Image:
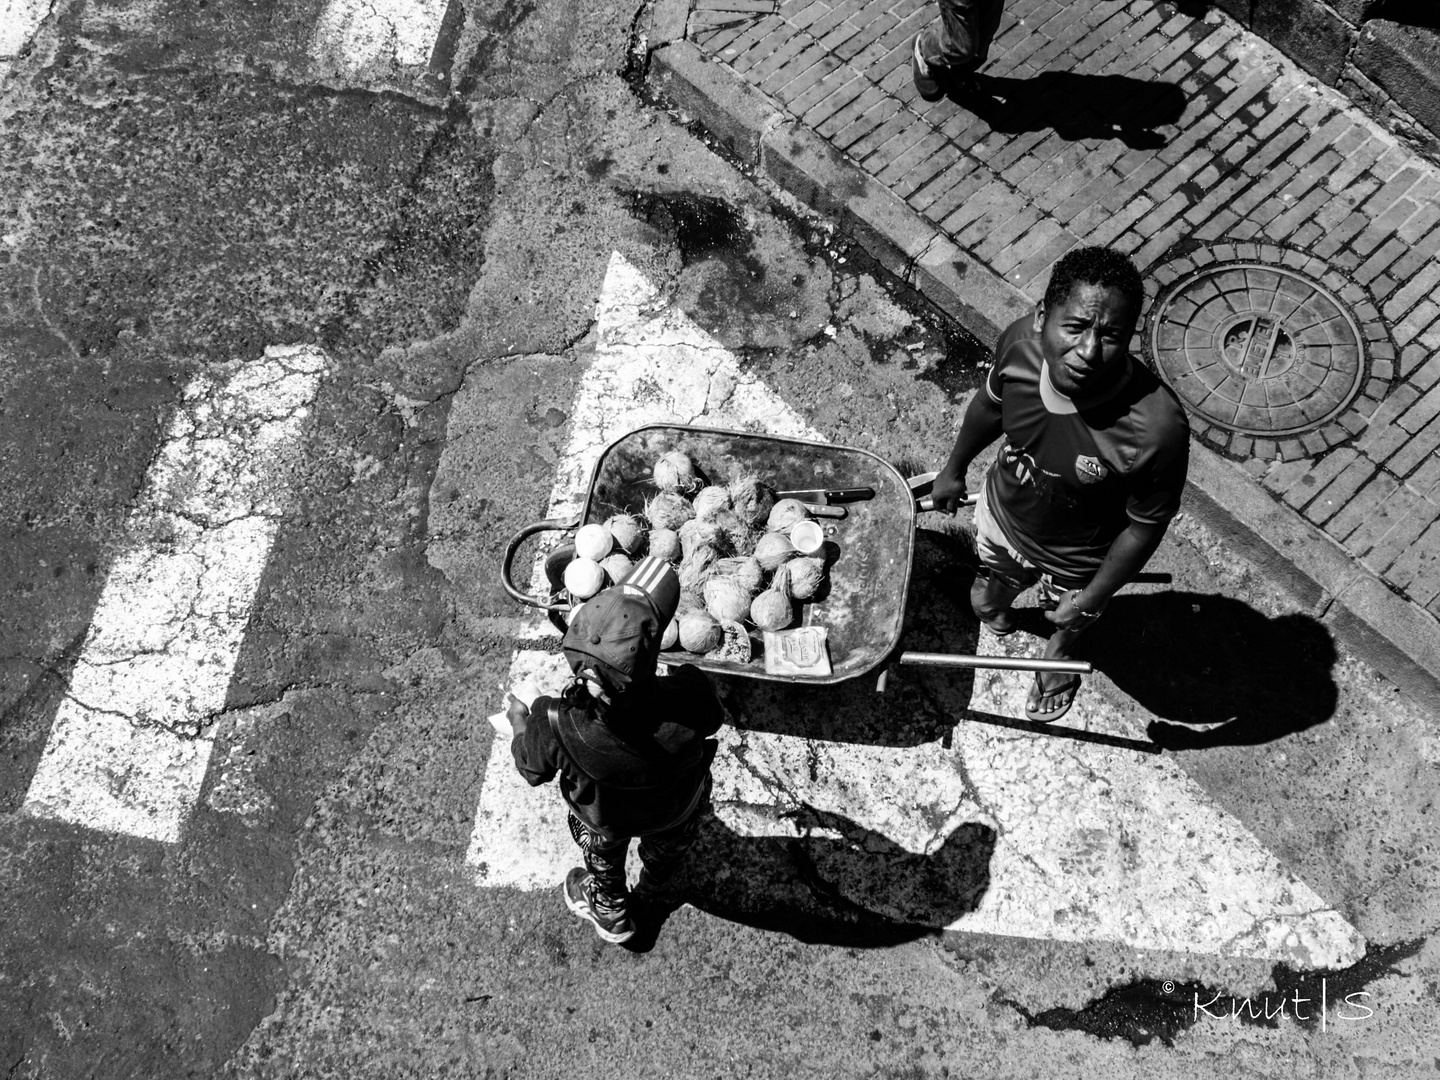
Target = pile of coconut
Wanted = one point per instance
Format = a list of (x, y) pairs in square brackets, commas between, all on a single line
[(730, 546)]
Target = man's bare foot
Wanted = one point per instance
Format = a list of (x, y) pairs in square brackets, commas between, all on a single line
[(1050, 701)]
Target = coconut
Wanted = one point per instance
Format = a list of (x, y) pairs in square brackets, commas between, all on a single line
[(699, 632), (743, 570), (593, 542), (785, 513), (668, 511), (584, 578), (695, 566), (627, 531), (696, 533), (670, 634), (616, 567), (736, 646), (710, 501), (735, 534), (691, 599), (665, 544), (773, 549), (752, 500), (771, 610), (675, 472), (726, 599), (804, 576)]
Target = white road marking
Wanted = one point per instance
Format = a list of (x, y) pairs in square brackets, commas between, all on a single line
[(129, 748), (352, 35), (1093, 843), (19, 20)]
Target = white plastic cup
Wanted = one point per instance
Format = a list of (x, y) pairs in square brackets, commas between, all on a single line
[(807, 537)]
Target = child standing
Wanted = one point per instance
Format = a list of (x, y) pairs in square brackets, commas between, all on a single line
[(632, 749)]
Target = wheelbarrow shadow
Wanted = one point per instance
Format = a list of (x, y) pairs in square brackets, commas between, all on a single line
[(1202, 658), (832, 882), (917, 709)]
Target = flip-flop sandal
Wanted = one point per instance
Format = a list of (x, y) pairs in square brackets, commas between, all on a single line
[(1044, 717)]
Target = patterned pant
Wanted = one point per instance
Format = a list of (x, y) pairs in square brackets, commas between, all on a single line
[(660, 856)]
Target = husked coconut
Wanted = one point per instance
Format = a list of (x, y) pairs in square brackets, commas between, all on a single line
[(786, 513), (593, 542), (584, 578), (665, 544), (710, 501), (675, 472), (627, 531), (727, 600), (699, 631), (616, 567), (668, 511), (752, 500), (804, 576), (773, 549), (771, 610)]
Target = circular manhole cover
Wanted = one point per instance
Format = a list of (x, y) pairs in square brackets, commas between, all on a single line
[(1258, 349)]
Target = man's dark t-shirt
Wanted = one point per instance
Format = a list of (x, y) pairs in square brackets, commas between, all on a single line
[(1066, 482), (641, 768)]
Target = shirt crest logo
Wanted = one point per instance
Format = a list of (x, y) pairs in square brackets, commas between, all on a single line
[(1089, 469)]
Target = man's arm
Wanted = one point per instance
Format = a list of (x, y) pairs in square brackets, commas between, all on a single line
[(982, 425), (1127, 556)]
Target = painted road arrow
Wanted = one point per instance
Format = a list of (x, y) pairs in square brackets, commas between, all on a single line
[(1092, 842)]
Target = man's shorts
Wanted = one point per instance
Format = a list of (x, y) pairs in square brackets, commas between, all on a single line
[(1002, 560)]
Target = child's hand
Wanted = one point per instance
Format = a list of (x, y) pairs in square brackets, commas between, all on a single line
[(517, 714)]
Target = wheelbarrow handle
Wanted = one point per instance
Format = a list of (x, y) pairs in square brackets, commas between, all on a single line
[(548, 525), (1005, 663), (928, 502)]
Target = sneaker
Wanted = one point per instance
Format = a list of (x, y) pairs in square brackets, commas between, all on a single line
[(925, 81), (579, 896)]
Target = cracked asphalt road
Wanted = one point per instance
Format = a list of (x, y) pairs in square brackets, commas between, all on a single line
[(179, 191)]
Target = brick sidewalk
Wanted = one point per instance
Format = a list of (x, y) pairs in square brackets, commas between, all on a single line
[(1185, 142)]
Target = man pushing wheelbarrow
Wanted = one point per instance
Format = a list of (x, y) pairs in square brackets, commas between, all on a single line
[(1091, 465)]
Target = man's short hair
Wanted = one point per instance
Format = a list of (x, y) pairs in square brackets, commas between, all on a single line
[(1101, 266)]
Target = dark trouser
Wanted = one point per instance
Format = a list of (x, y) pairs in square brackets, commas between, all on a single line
[(961, 43), (660, 855)]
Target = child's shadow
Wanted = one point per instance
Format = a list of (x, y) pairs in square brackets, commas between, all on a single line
[(832, 882)]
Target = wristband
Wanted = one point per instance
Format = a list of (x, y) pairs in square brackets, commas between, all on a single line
[(1081, 611)]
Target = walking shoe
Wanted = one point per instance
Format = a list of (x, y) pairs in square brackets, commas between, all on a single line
[(925, 81), (579, 898)]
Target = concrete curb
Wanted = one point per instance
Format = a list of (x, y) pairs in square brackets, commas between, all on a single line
[(1393, 635)]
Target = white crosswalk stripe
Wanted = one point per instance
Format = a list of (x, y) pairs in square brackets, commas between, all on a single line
[(128, 749), (1093, 842)]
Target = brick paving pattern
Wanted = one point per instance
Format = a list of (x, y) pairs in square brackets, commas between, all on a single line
[(1132, 124)]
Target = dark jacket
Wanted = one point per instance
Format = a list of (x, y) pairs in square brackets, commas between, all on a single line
[(636, 766)]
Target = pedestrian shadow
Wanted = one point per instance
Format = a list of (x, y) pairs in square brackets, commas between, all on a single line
[(832, 882), (1202, 658), (1077, 106)]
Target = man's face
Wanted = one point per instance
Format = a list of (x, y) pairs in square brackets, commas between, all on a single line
[(1085, 339)]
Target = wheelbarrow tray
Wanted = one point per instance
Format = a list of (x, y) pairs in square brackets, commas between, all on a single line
[(868, 552)]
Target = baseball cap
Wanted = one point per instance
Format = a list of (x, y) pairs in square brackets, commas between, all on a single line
[(618, 631)]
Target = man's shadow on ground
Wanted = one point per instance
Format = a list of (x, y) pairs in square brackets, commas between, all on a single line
[(1202, 658), (832, 881), (1077, 106)]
